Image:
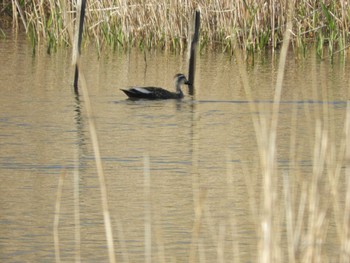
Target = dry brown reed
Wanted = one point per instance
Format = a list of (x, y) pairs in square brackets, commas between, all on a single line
[(306, 227), (148, 217), (99, 167), (96, 149), (252, 25), (345, 227), (57, 218)]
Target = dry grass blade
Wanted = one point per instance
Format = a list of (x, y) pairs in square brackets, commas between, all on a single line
[(199, 206), (316, 224), (268, 164), (57, 217), (147, 194), (98, 161), (96, 149), (289, 218), (21, 14), (235, 243), (266, 141), (346, 221), (221, 243), (121, 238)]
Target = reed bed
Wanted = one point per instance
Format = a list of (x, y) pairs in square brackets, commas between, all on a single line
[(257, 25)]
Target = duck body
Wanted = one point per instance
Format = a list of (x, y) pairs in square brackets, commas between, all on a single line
[(151, 93), (156, 93)]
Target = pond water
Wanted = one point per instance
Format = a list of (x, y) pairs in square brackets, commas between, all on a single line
[(203, 145)]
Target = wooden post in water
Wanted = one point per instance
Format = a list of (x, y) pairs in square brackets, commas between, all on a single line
[(81, 4), (194, 37)]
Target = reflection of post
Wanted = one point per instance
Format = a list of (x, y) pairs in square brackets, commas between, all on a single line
[(77, 40), (192, 56), (77, 155)]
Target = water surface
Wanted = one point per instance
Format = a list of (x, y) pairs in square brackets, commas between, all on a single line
[(199, 145)]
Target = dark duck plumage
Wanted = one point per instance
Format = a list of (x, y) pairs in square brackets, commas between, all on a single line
[(155, 93)]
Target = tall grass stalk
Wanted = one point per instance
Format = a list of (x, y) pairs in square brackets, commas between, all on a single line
[(256, 25), (233, 225), (307, 212), (345, 241), (17, 6), (270, 154), (199, 207), (148, 219), (57, 218), (98, 161), (99, 166), (121, 238)]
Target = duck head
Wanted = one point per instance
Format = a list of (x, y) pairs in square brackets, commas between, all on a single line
[(180, 79)]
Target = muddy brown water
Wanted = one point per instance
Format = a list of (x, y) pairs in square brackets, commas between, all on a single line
[(196, 145)]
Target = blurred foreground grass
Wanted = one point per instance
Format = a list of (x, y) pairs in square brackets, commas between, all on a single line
[(292, 224)]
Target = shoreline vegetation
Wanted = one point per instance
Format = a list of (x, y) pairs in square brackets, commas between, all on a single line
[(149, 24)]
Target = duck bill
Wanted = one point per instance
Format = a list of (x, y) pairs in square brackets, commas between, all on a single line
[(188, 83)]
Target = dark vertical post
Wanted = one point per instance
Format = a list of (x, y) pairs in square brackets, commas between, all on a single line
[(192, 59), (78, 49)]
